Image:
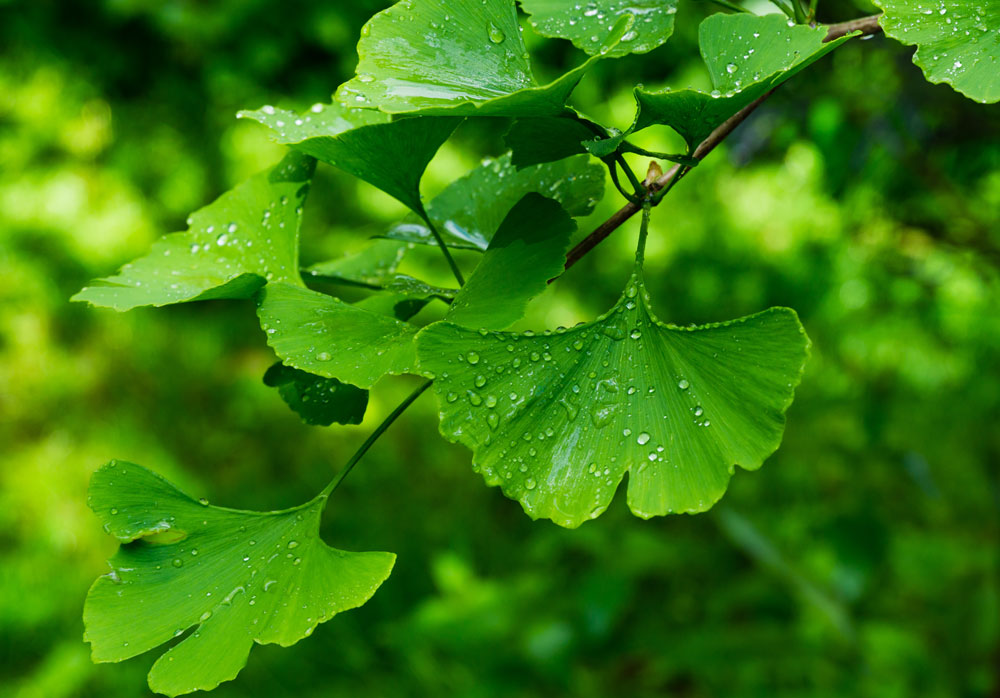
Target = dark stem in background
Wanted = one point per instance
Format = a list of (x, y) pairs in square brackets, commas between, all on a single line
[(866, 25)]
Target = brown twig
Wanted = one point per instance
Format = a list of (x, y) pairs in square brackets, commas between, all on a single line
[(866, 25)]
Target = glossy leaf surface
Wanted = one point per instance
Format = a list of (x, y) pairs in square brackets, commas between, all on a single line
[(246, 237), (235, 577), (589, 24), (462, 57), (319, 401), (469, 211), (557, 420), (372, 266), (527, 251), (957, 42), (391, 155), (746, 56), (323, 335)]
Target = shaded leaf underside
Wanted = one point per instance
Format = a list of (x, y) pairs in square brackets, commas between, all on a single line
[(319, 401)]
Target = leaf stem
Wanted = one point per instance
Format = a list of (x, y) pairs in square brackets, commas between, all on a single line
[(370, 441), (866, 25), (731, 6), (640, 250), (444, 248)]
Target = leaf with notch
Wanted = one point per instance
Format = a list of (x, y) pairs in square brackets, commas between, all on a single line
[(557, 420), (957, 42), (236, 577), (464, 57), (246, 237), (746, 56), (319, 401), (324, 336), (586, 26), (527, 251), (389, 154), (469, 211)]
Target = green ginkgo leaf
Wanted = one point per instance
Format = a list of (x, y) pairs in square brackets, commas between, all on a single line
[(327, 337), (746, 56), (957, 42), (389, 154), (317, 400), (545, 139), (246, 237), (527, 251), (588, 24), (464, 57), (469, 211), (235, 577), (557, 420), (372, 266)]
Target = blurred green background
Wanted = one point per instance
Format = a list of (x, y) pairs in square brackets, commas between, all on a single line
[(862, 560)]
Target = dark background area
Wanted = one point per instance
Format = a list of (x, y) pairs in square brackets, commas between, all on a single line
[(861, 560)]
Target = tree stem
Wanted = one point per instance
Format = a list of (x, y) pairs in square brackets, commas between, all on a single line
[(866, 25)]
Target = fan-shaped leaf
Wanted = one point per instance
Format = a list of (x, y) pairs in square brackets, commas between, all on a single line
[(588, 25), (545, 139), (327, 337), (527, 251), (318, 400), (234, 245), (957, 42), (461, 58), (391, 155), (373, 266), (557, 420), (746, 56), (236, 577), (469, 211)]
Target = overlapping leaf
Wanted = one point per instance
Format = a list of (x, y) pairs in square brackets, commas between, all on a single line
[(469, 211), (958, 42), (589, 24), (373, 266), (545, 139), (389, 154), (246, 237), (527, 251), (462, 57), (319, 401), (557, 420), (746, 56), (327, 337), (236, 577)]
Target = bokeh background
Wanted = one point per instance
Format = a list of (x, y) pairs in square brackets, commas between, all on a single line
[(862, 560)]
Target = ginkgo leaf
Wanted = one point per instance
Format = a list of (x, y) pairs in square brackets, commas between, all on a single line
[(319, 401), (588, 25), (323, 335), (746, 56), (957, 42), (389, 154), (246, 237), (545, 139), (235, 577), (557, 420), (372, 266), (527, 251), (464, 57), (469, 211)]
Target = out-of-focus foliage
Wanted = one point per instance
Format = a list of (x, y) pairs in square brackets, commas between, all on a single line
[(861, 562)]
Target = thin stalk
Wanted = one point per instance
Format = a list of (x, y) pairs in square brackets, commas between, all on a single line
[(789, 12), (370, 441), (636, 184), (685, 160), (444, 249), (640, 250), (613, 171)]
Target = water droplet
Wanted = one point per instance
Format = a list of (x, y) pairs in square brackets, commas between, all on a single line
[(643, 438), (496, 34), (529, 484), (452, 397), (731, 68), (293, 544), (683, 384), (178, 562), (323, 356), (114, 511), (269, 583), (472, 357), (202, 501)]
